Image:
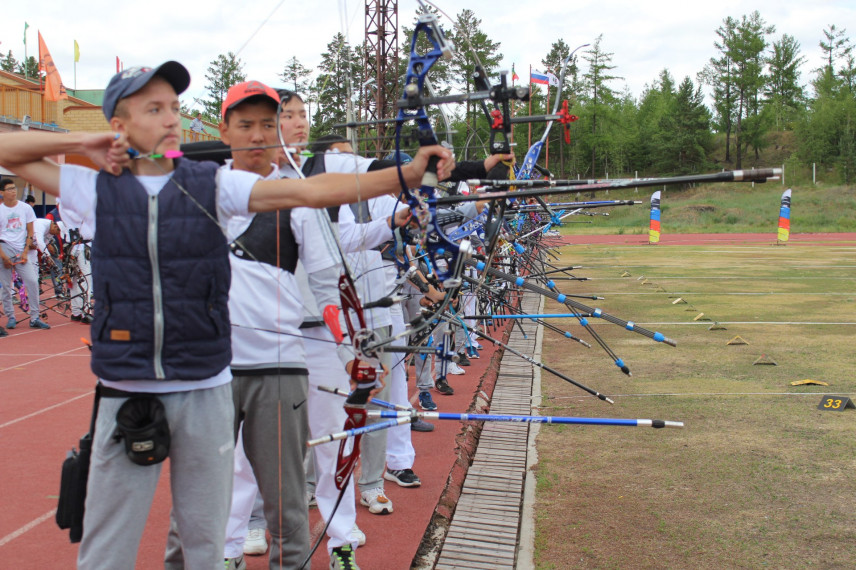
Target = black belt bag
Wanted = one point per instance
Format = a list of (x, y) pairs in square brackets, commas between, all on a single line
[(141, 422)]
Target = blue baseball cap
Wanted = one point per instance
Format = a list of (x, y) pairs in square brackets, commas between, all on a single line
[(405, 158), (129, 81)]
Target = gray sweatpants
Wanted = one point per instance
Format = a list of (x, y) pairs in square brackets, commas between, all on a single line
[(373, 444), (276, 428), (120, 492), (29, 273), (424, 379)]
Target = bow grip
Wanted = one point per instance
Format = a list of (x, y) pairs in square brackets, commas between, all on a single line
[(429, 178)]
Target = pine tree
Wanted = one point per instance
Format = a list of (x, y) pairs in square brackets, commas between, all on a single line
[(223, 72), (29, 68), (9, 63), (600, 99), (718, 73), (472, 47), (746, 48), (296, 77), (837, 45), (783, 91), (334, 85)]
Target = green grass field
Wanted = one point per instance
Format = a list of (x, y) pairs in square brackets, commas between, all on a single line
[(759, 477), (722, 208)]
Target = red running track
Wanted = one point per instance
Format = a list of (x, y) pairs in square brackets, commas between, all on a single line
[(47, 397), (705, 239)]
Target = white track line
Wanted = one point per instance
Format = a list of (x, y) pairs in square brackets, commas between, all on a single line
[(43, 410), (27, 527), (702, 394), (708, 294), (708, 323), (40, 359)]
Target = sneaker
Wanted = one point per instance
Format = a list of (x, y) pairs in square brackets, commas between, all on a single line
[(76, 318), (472, 352), (454, 369), (235, 563), (477, 346), (39, 324), (403, 477), (426, 402), (421, 425), (377, 502), (463, 360), (359, 535), (310, 500), (10, 324), (3, 332), (256, 543), (443, 387), (342, 558), (86, 319)]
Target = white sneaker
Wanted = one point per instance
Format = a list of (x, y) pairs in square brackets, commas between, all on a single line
[(359, 535), (256, 543), (454, 369), (377, 501)]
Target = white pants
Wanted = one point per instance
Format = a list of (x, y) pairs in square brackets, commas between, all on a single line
[(326, 416), (80, 296), (399, 449), (244, 491)]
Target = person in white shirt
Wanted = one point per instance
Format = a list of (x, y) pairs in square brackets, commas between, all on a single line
[(16, 239)]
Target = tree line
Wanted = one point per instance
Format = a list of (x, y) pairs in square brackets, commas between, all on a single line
[(753, 78)]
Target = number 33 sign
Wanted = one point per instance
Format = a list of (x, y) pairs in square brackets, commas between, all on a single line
[(835, 403)]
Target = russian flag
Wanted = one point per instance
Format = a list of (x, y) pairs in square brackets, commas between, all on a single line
[(536, 76)]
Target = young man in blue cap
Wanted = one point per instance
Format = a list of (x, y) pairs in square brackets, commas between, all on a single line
[(161, 327)]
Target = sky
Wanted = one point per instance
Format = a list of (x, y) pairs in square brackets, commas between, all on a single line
[(644, 37)]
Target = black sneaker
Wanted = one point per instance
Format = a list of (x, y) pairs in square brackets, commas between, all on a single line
[(404, 477), (417, 425), (76, 318), (3, 332), (463, 360), (443, 387)]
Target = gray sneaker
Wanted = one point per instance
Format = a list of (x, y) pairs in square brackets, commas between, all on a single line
[(421, 425), (39, 324)]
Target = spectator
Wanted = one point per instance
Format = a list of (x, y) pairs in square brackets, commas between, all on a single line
[(16, 239), (196, 124)]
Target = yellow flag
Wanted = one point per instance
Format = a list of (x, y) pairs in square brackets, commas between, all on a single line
[(76, 52)]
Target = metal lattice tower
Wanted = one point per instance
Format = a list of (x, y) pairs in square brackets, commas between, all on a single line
[(380, 86)]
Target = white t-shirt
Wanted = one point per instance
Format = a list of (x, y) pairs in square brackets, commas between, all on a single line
[(41, 233), (13, 224), (265, 304), (77, 186)]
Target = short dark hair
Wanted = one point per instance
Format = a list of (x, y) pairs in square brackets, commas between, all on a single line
[(30, 198), (254, 100), (5, 182), (286, 95), (323, 143)]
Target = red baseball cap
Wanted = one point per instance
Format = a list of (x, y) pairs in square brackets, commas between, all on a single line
[(240, 92)]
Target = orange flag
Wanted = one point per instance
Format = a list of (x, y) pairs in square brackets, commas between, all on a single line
[(54, 89)]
